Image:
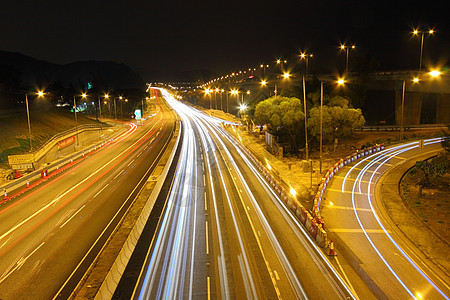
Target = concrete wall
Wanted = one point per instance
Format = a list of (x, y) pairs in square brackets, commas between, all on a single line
[(411, 110), (443, 109)]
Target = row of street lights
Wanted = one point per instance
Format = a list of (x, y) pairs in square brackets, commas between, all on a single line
[(306, 56), (83, 96)]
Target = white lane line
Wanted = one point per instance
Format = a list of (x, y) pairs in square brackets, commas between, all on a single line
[(72, 216), (101, 190), (19, 263), (207, 241), (349, 208), (356, 230), (346, 278), (346, 192)]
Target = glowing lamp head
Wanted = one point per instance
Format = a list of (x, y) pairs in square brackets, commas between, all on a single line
[(263, 82), (286, 75), (84, 95), (435, 73), (40, 93), (341, 81), (243, 107)]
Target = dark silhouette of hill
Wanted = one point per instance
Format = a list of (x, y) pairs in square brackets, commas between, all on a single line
[(34, 72)]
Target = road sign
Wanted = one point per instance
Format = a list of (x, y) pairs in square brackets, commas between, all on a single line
[(21, 159)]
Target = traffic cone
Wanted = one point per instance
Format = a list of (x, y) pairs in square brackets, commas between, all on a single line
[(6, 195), (28, 184), (331, 251)]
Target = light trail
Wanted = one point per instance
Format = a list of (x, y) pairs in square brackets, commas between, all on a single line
[(381, 159), (166, 276)]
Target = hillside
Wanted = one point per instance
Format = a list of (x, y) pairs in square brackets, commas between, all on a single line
[(45, 123), (20, 73)]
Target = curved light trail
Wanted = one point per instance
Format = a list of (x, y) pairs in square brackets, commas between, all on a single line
[(373, 164)]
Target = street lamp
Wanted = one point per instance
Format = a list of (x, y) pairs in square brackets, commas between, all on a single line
[(215, 97), (207, 92), (346, 48), (221, 99), (233, 92), (306, 57), (340, 81), (39, 94), (84, 95), (416, 32)]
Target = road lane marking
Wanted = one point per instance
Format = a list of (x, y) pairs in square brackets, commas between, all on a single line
[(276, 275), (207, 241), (72, 216), (345, 192), (20, 263), (348, 178), (357, 230), (208, 283), (131, 162), (206, 205), (346, 278), (118, 175), (350, 208), (101, 190)]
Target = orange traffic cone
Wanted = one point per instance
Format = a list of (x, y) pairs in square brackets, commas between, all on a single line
[(6, 195), (331, 251), (28, 184)]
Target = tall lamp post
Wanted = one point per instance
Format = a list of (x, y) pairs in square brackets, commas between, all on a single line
[(234, 92), (207, 92), (346, 48), (416, 32), (75, 113), (339, 82), (40, 94), (305, 56)]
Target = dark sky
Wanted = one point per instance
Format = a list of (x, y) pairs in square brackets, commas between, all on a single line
[(175, 36)]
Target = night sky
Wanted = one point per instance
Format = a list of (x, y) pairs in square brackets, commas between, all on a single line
[(222, 36)]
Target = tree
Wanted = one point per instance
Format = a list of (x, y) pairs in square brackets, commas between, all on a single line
[(285, 117), (338, 119)]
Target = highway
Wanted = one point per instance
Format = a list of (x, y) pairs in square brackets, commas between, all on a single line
[(354, 213), (51, 232), (224, 233)]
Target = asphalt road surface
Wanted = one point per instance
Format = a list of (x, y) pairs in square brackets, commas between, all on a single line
[(224, 233), (353, 213), (51, 232)]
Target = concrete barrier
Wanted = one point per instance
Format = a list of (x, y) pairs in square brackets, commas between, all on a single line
[(106, 290)]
